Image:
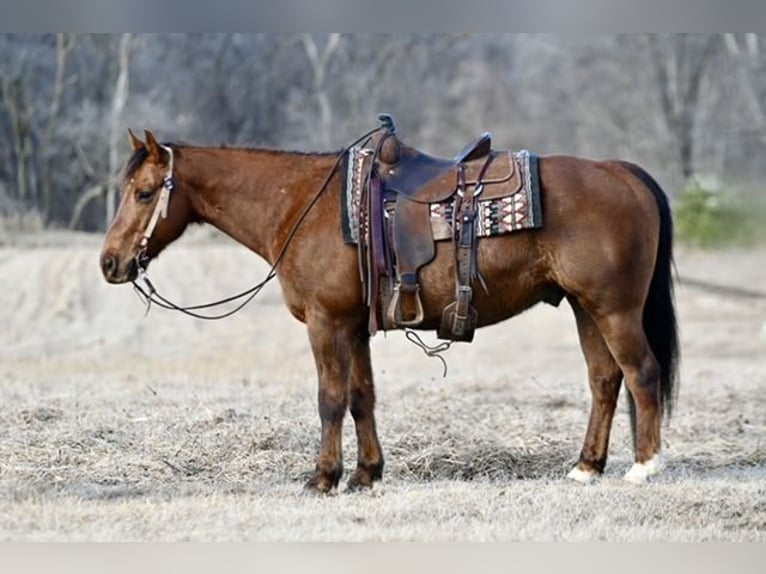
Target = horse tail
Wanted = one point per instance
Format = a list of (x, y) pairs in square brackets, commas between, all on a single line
[(659, 319)]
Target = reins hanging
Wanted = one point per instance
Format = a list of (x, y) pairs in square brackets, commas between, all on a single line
[(149, 294)]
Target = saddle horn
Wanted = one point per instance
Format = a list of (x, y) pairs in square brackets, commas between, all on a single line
[(386, 121)]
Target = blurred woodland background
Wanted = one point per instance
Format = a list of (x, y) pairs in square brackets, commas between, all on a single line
[(690, 108)]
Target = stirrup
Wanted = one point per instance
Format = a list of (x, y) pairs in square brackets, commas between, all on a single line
[(395, 311)]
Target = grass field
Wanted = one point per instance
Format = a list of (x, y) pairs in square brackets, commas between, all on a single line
[(118, 427)]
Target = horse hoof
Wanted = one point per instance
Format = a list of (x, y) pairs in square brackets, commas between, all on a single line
[(364, 476), (359, 481), (310, 489), (582, 476), (318, 485), (640, 472)]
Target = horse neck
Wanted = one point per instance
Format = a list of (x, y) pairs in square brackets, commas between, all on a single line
[(254, 196)]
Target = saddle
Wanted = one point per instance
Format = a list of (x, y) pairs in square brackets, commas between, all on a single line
[(412, 181)]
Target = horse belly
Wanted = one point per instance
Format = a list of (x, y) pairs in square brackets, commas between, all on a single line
[(515, 276)]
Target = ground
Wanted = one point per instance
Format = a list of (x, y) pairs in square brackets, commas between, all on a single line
[(116, 426)]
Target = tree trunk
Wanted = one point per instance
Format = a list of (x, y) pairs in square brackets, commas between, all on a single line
[(119, 100), (64, 45), (679, 72), (746, 61), (14, 101), (319, 62), (87, 196)]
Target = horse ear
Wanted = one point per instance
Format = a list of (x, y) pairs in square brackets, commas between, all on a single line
[(136, 143), (155, 151)]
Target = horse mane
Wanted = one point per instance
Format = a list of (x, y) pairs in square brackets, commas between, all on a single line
[(276, 152), (179, 145), (139, 156)]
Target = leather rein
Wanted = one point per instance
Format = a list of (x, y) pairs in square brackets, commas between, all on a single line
[(149, 294)]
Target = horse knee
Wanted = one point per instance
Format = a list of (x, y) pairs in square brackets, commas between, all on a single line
[(362, 403), (332, 405)]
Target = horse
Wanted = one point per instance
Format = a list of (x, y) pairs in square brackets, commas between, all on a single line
[(606, 246)]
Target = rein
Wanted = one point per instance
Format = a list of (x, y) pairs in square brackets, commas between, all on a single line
[(148, 292)]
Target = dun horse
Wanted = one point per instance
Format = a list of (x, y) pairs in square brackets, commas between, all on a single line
[(605, 246)]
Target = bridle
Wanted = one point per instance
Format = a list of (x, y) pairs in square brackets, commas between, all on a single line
[(148, 292), (160, 211), (161, 207)]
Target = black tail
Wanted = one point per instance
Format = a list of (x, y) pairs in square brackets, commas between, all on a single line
[(659, 312)]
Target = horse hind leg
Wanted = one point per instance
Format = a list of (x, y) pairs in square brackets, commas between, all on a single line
[(625, 337), (604, 379)]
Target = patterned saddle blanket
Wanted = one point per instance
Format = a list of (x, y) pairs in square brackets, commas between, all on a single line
[(497, 216)]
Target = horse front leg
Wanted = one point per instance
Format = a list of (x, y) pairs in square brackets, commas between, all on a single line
[(369, 465), (333, 360)]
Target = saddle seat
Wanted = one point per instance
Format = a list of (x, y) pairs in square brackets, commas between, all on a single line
[(426, 179)]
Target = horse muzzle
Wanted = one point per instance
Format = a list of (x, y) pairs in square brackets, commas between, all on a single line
[(116, 271)]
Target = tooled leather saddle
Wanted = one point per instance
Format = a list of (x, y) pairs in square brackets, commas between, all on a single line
[(397, 242)]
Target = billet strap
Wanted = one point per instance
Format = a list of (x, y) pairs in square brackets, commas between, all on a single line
[(161, 207), (459, 319)]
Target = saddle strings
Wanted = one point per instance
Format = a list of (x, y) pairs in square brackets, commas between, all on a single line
[(149, 295), (434, 351)]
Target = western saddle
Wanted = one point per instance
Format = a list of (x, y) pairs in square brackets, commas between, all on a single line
[(412, 181)]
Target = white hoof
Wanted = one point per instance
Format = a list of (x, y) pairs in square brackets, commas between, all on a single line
[(640, 472), (582, 476)]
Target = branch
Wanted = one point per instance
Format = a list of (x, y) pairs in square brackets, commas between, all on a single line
[(663, 80), (84, 162), (311, 50), (87, 196), (692, 93)]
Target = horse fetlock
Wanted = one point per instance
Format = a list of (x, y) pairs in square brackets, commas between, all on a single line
[(640, 472)]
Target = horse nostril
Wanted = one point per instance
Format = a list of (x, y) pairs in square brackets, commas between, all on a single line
[(108, 264)]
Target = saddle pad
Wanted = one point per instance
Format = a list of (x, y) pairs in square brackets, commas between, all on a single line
[(522, 210)]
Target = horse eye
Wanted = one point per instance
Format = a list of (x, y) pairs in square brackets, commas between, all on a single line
[(146, 196)]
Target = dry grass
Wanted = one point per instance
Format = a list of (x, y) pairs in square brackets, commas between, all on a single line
[(118, 428)]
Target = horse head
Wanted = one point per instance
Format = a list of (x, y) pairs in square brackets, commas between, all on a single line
[(153, 211)]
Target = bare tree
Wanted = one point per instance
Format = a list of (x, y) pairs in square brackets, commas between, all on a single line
[(680, 62), (105, 185), (116, 130), (679, 104), (746, 52), (13, 99), (320, 59), (64, 45)]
